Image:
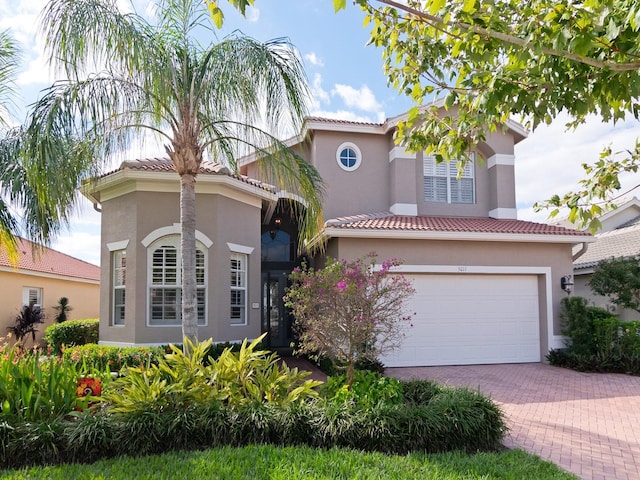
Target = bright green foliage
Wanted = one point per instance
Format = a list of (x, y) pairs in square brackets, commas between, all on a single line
[(235, 379), (37, 389), (597, 341), (618, 279), (303, 462), (368, 390), (72, 332)]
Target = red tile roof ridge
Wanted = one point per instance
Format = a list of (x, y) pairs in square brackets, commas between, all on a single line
[(38, 258), (341, 121), (164, 164), (389, 221)]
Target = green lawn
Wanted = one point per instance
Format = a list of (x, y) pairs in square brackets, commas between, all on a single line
[(266, 462)]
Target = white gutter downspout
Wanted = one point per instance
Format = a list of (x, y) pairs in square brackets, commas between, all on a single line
[(580, 252)]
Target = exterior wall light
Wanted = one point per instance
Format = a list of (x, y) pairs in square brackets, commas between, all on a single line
[(566, 283)]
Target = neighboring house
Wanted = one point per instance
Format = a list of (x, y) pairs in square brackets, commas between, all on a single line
[(619, 237), (488, 285), (42, 276)]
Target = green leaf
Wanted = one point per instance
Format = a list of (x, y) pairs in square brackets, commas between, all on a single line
[(469, 6), (436, 5), (339, 5), (216, 15)]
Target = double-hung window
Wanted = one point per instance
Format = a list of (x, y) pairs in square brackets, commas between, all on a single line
[(442, 184), (238, 314), (119, 258), (165, 281)]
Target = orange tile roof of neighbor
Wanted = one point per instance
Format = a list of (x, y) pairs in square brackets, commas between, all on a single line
[(48, 261), (389, 221)]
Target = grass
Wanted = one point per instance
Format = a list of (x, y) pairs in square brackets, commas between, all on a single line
[(268, 462)]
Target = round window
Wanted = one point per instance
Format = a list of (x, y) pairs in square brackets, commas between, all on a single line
[(348, 156)]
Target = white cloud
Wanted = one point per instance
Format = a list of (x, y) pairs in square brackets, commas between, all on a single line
[(345, 115), (549, 161), (313, 59), (318, 94), (82, 245), (362, 99), (253, 14)]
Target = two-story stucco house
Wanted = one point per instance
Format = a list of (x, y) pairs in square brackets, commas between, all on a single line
[(488, 285)]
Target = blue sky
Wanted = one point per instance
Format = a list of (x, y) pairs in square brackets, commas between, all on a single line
[(347, 82)]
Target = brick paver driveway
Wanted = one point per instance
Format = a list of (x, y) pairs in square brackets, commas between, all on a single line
[(587, 423)]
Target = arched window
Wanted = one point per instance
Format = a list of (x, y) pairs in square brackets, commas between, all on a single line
[(276, 246), (165, 280)]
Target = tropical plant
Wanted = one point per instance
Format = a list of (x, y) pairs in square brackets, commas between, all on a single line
[(204, 100), (62, 309), (33, 388), (618, 279), (234, 380), (349, 311), (26, 322)]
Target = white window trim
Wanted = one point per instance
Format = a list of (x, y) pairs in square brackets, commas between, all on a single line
[(175, 241), (244, 263), (26, 294), (449, 176), (121, 245), (353, 147), (174, 229), (234, 247)]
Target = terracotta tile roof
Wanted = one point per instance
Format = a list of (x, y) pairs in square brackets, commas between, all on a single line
[(163, 164), (48, 261), (624, 241), (342, 122), (389, 221)]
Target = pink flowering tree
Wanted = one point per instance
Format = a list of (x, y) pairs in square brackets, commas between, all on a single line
[(348, 311)]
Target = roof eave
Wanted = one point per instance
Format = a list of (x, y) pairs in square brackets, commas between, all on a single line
[(333, 232)]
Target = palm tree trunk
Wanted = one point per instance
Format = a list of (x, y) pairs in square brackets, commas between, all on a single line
[(188, 244)]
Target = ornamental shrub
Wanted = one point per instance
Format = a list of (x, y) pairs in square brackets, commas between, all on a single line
[(349, 311), (71, 332), (596, 340)]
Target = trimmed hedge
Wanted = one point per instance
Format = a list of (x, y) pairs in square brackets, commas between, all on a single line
[(597, 341), (71, 332), (451, 419)]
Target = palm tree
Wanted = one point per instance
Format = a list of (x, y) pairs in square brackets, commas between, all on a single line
[(36, 197), (210, 101), (9, 61)]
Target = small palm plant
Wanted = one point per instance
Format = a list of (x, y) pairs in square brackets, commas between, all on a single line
[(62, 309), (26, 321)]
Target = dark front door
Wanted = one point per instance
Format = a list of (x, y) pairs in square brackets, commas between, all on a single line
[(276, 318)]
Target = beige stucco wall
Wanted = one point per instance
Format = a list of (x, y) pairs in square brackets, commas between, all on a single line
[(582, 289), (222, 220), (465, 254), (83, 295), (364, 190)]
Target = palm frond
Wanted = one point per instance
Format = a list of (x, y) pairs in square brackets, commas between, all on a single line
[(9, 62)]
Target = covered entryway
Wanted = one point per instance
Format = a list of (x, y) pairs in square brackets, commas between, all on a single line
[(463, 319)]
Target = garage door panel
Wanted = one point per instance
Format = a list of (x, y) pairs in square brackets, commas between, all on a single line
[(471, 319)]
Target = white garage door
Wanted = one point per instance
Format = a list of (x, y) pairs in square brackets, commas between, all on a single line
[(471, 319)]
